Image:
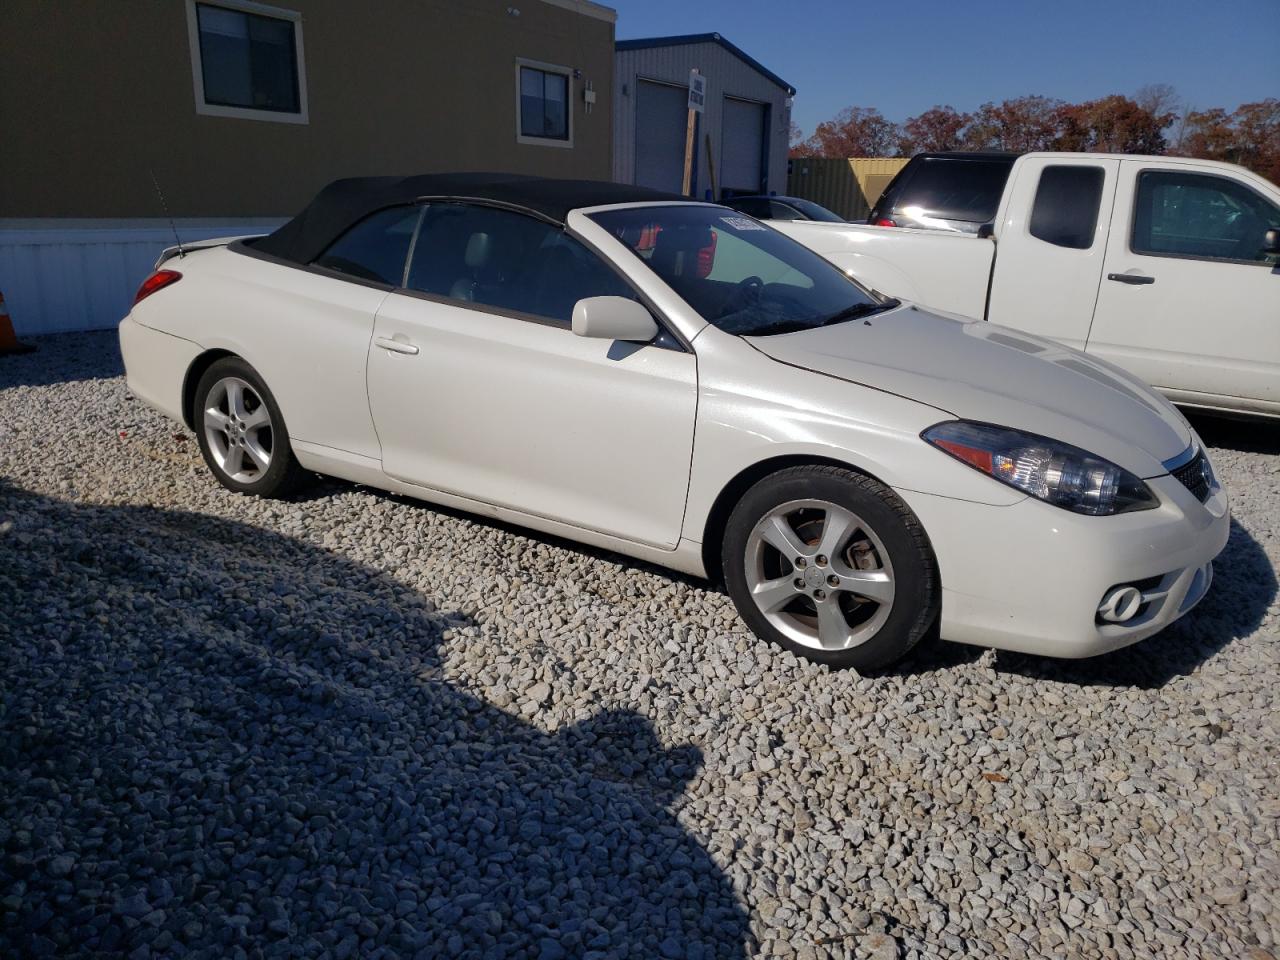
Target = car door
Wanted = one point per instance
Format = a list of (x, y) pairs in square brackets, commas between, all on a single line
[(1190, 301), (479, 387), (1050, 246), (311, 329)]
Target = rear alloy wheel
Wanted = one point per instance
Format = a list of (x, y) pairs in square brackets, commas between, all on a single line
[(241, 431), (832, 566)]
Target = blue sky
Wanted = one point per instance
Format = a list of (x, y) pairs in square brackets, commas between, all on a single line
[(904, 56)]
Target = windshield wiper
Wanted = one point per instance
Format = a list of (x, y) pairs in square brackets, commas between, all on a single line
[(860, 310)]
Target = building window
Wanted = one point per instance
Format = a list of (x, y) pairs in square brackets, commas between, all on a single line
[(247, 60), (544, 110)]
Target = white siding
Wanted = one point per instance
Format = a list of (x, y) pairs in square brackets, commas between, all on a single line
[(727, 76), (58, 278)]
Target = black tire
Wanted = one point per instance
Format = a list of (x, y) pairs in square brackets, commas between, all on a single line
[(283, 475), (916, 598)]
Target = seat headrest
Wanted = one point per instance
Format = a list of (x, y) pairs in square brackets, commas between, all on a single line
[(479, 250)]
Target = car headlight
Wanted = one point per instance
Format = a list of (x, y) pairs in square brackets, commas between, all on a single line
[(1048, 470)]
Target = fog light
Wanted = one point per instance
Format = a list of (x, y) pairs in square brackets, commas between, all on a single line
[(1120, 604)]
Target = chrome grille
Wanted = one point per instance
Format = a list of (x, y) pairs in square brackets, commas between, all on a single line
[(1196, 476)]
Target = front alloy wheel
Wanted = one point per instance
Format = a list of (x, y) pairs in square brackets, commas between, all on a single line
[(831, 565), (819, 574)]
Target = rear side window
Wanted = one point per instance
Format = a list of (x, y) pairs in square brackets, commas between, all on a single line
[(1065, 212), (497, 258), (1201, 216), (375, 248), (965, 190), (757, 207)]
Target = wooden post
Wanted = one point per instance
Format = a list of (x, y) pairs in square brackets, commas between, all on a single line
[(688, 152), (711, 167)]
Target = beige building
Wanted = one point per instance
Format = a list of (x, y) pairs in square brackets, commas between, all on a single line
[(241, 110)]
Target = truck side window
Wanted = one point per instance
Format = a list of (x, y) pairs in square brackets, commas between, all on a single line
[(1202, 216), (1065, 212)]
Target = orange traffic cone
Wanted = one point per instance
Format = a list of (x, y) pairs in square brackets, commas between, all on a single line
[(8, 342)]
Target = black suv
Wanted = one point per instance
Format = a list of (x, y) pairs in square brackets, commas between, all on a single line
[(945, 191)]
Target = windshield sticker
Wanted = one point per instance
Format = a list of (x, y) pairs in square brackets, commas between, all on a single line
[(741, 223)]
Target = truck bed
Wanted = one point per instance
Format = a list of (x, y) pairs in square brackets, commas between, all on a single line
[(946, 271)]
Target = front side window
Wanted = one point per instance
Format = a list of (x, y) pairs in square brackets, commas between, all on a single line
[(544, 103), (814, 211), (247, 60), (737, 274), (508, 261), (1065, 212), (375, 248), (781, 211), (1195, 215)]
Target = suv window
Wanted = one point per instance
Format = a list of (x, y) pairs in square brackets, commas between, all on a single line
[(1197, 215), (375, 248), (945, 193), (1065, 212), (497, 258)]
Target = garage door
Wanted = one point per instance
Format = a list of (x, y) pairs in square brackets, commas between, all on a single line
[(661, 117), (742, 146)]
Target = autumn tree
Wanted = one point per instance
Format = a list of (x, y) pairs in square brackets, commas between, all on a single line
[(1249, 136), (854, 132), (1021, 125), (1257, 127), (941, 128), (1113, 124)]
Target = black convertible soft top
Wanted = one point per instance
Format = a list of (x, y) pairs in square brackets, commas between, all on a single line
[(345, 202)]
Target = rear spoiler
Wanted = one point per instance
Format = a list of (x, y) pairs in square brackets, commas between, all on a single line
[(170, 252)]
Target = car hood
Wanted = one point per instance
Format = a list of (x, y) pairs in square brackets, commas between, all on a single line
[(982, 371)]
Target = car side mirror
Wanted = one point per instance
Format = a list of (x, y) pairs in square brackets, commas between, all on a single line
[(613, 318), (1271, 241)]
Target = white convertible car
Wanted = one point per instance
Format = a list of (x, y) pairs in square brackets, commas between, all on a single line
[(676, 382)]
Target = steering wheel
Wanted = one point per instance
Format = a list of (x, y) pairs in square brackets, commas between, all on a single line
[(747, 291)]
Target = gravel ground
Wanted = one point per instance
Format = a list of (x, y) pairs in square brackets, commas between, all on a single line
[(355, 725)]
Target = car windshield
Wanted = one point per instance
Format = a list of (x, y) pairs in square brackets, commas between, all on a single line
[(741, 276), (814, 211)]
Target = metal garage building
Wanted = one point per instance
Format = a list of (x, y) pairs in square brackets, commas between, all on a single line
[(741, 140)]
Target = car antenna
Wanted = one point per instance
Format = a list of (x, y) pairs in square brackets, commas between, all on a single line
[(165, 207)]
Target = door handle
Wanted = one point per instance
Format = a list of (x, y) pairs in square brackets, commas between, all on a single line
[(1134, 278), (396, 346)]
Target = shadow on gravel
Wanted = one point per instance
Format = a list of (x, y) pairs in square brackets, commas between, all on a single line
[(64, 358), (1243, 588), (217, 741), (1246, 436)]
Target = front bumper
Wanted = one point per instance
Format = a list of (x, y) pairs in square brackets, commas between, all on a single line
[(1030, 576)]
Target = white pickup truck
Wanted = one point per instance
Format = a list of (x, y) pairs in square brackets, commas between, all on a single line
[(1165, 266)]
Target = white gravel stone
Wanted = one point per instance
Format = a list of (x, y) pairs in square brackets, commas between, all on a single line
[(353, 725)]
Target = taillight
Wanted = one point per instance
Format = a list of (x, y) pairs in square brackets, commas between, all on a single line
[(885, 222), (157, 281)]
